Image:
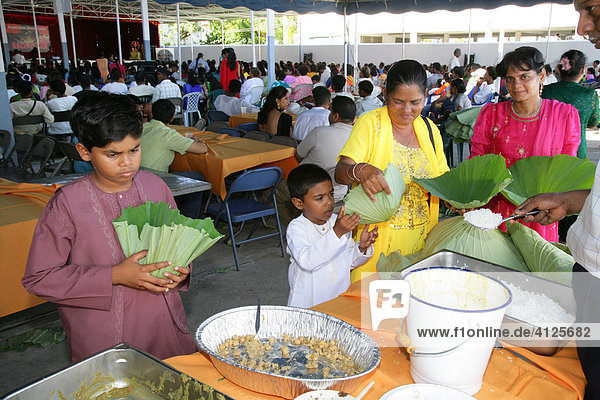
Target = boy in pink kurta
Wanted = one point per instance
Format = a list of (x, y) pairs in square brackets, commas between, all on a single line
[(555, 130), (75, 251)]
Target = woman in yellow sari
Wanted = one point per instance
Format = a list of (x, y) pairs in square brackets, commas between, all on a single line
[(396, 134)]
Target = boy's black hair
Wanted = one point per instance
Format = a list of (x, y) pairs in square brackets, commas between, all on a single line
[(316, 78), (101, 118), (58, 86), (366, 86), (337, 83), (115, 75), (85, 81), (136, 100), (303, 177), (235, 86), (24, 88), (321, 96), (345, 107), (163, 110), (140, 77)]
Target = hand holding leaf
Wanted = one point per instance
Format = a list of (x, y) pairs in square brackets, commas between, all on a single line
[(132, 274), (345, 223), (372, 181)]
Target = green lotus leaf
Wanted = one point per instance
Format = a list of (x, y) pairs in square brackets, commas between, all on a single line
[(548, 174), (384, 207), (472, 184)]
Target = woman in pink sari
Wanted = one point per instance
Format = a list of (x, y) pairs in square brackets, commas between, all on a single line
[(526, 125)]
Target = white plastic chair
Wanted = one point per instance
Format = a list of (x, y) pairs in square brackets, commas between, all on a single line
[(193, 103), (256, 93)]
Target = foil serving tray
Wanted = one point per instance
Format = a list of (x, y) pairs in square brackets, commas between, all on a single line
[(121, 372)]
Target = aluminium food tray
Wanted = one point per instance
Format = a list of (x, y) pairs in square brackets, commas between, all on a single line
[(561, 294), (276, 321), (124, 368)]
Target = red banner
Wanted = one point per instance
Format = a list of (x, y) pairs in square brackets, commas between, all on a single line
[(22, 37)]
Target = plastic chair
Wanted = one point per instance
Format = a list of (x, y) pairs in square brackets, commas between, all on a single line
[(192, 105), (5, 139), (212, 96), (256, 93), (178, 103), (230, 131), (245, 209), (285, 141), (216, 126), (23, 144), (250, 126), (214, 115), (30, 120), (42, 152), (257, 135)]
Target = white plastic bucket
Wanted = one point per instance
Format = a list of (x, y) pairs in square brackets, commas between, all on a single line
[(469, 307)]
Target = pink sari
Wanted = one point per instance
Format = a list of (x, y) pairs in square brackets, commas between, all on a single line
[(555, 130)]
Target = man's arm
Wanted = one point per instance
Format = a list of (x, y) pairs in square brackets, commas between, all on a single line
[(198, 147), (553, 206)]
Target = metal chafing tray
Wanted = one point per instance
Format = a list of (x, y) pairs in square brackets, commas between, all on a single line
[(122, 372), (561, 294)]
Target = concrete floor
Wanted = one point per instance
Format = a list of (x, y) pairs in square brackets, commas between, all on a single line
[(216, 286)]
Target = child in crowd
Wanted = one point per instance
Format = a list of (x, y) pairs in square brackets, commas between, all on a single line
[(75, 258), (322, 251)]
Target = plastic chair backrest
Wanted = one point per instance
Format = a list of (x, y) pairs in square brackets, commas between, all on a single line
[(178, 103), (250, 126), (62, 116), (5, 137), (28, 120), (257, 135), (214, 115), (69, 150), (44, 148), (284, 140), (255, 179), (193, 99), (256, 93), (23, 143), (145, 99), (230, 132), (216, 125), (213, 95)]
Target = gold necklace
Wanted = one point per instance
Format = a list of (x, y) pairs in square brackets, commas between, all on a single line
[(537, 110), (411, 134)]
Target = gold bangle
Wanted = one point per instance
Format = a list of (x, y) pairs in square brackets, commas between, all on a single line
[(363, 167), (353, 174), (348, 173)]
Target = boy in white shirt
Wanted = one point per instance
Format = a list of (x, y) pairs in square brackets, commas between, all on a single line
[(322, 251)]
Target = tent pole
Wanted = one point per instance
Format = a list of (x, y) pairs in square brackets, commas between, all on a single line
[(73, 38), (259, 39), (500, 45), (403, 35), (178, 35), (5, 49), (192, 45), (119, 32), (356, 40), (222, 35), (5, 116), (271, 45), (345, 62), (548, 35), (37, 36), (146, 30), (63, 39), (299, 37), (252, 38), (469, 41)]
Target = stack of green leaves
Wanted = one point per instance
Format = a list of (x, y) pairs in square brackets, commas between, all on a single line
[(384, 207), (472, 184), (548, 174), (165, 233)]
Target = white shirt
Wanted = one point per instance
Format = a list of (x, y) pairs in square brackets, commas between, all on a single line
[(322, 147), (115, 88), (142, 90), (325, 75), (233, 105), (308, 120), (483, 94), (455, 62), (334, 94), (10, 93), (79, 88), (320, 262), (60, 104), (550, 79), (166, 90), (245, 92), (475, 76), (320, 83), (367, 104), (462, 101), (19, 59), (583, 238)]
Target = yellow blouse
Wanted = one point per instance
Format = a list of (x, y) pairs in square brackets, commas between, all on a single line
[(372, 141)]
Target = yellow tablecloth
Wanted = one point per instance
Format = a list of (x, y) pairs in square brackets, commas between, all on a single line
[(507, 377), (237, 120), (21, 204), (229, 154)]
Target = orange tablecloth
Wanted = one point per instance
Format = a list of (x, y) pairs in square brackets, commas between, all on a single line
[(507, 377), (236, 120), (21, 204), (231, 154)]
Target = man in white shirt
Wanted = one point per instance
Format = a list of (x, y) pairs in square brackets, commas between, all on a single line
[(18, 58), (230, 104), (484, 89), (368, 100), (337, 85), (114, 86), (475, 73), (324, 72), (436, 74), (455, 61), (316, 116), (62, 102), (165, 89), (246, 93), (142, 88)]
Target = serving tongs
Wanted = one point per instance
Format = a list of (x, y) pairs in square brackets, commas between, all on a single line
[(257, 321)]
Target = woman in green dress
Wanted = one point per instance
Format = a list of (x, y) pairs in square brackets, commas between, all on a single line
[(568, 90)]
